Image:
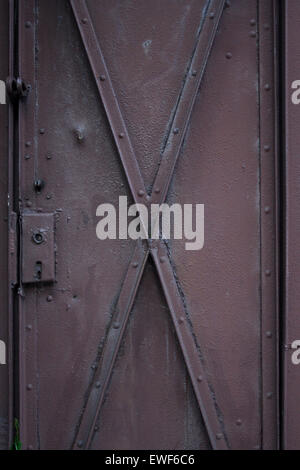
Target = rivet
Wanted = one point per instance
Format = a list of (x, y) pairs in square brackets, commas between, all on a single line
[(267, 27), (84, 20), (93, 366), (176, 130), (252, 22), (157, 190), (227, 4), (29, 327), (267, 209), (116, 325), (80, 444), (269, 395), (98, 384), (267, 272), (212, 15), (228, 55), (162, 259), (42, 131), (267, 148), (49, 298), (27, 157), (141, 193), (253, 34), (199, 378), (28, 203), (48, 155), (96, 428), (79, 135), (269, 334), (28, 144), (29, 387), (181, 320), (28, 24), (267, 87), (38, 185), (102, 78), (194, 73), (219, 436), (135, 265), (238, 422), (48, 196), (121, 135)]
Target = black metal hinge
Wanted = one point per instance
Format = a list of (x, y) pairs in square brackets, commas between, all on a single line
[(16, 88)]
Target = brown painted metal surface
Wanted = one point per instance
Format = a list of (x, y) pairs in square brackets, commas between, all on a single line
[(4, 320), (141, 344)]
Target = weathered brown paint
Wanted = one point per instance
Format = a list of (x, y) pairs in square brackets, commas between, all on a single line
[(142, 345)]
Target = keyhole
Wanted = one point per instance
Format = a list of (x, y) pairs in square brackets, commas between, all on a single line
[(38, 271)]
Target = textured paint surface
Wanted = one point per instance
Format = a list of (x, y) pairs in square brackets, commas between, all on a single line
[(3, 225), (65, 140)]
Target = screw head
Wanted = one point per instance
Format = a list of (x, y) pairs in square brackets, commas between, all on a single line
[(29, 327)]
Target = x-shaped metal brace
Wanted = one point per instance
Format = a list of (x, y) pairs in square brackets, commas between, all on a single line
[(157, 248)]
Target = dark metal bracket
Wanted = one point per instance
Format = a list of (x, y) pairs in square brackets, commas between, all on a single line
[(37, 248)]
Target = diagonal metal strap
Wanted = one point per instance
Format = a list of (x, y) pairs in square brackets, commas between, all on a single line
[(196, 69), (186, 338)]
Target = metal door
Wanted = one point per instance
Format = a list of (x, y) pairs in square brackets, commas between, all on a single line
[(140, 345)]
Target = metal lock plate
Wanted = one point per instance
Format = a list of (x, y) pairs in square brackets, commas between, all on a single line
[(38, 250)]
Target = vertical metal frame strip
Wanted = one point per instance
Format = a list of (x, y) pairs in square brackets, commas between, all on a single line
[(28, 375), (268, 225)]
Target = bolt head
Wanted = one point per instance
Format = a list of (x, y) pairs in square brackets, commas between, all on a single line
[(267, 87), (49, 298), (141, 193), (102, 78), (269, 334), (29, 387), (42, 131), (268, 272)]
